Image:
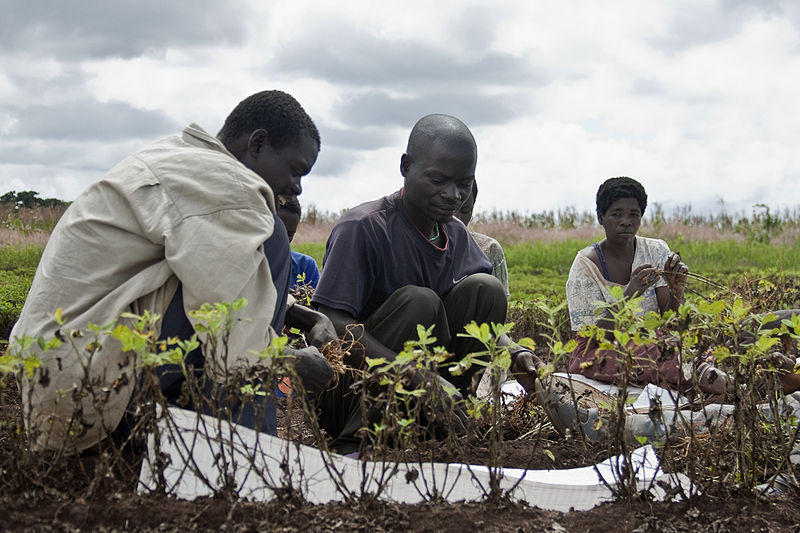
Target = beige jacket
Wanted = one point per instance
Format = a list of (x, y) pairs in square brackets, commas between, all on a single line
[(181, 209)]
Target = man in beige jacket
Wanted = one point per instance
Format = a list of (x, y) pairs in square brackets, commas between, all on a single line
[(187, 220)]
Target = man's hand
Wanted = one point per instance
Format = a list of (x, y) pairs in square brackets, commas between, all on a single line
[(322, 332), (318, 327), (449, 414), (313, 369), (525, 368)]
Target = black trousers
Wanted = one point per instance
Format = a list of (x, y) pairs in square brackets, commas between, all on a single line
[(479, 297)]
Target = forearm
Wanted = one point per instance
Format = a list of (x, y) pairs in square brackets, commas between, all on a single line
[(669, 298), (524, 363), (364, 345)]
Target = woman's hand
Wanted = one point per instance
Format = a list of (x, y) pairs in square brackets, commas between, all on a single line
[(675, 272), (642, 279)]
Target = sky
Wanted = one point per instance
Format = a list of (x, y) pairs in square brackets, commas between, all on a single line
[(695, 99)]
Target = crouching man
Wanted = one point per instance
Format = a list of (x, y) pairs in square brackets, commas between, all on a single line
[(187, 220), (403, 260)]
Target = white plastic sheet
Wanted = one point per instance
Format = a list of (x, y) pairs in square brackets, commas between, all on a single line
[(669, 400), (203, 454)]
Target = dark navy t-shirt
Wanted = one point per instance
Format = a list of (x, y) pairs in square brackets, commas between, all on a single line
[(375, 249)]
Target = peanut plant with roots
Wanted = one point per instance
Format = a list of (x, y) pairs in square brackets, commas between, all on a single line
[(724, 443)]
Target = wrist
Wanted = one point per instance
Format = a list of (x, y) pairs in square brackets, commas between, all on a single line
[(517, 351)]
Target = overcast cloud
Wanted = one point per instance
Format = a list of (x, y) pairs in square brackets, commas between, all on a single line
[(695, 99)]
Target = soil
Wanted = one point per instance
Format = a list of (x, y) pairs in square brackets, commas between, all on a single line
[(126, 512), (77, 499)]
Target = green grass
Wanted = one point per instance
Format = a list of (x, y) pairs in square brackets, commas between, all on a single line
[(543, 268), (731, 256), (314, 249), (539, 268), (17, 266), (17, 257)]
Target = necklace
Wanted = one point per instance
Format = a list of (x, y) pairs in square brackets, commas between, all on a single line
[(435, 232)]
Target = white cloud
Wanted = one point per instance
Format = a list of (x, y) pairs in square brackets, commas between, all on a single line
[(696, 99)]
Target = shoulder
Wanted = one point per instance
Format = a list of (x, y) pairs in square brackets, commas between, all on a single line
[(590, 253), (487, 244), (301, 256), (483, 240), (456, 229), (585, 260), (201, 176), (652, 246), (381, 208)]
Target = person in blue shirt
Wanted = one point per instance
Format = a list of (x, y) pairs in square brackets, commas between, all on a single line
[(304, 268)]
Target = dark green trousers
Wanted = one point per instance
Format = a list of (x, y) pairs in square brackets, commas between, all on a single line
[(479, 297)]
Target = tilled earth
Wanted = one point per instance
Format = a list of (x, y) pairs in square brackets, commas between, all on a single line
[(80, 499), (126, 512)]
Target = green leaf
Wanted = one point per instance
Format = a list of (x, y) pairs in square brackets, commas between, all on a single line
[(721, 353), (373, 362), (239, 304), (130, 340), (765, 342), (527, 342), (503, 360)]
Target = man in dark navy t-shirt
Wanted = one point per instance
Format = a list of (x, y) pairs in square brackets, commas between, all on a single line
[(404, 260)]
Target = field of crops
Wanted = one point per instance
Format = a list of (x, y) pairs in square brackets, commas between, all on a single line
[(754, 259)]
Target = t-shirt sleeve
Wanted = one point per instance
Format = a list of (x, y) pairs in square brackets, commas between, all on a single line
[(348, 268), (582, 293), (499, 266)]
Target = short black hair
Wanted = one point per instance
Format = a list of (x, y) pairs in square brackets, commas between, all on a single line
[(277, 112), (622, 187)]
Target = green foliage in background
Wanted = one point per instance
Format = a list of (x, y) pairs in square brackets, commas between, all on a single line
[(538, 271), (17, 266), (314, 249)]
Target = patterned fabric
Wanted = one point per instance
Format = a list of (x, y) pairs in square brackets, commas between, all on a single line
[(497, 258), (586, 284)]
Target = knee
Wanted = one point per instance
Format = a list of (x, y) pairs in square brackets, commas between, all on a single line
[(483, 282), (483, 288), (420, 301)]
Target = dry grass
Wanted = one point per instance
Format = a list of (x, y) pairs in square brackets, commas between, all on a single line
[(313, 233), (12, 237), (32, 226), (512, 232)]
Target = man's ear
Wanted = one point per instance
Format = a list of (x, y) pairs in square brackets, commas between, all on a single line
[(258, 140), (599, 218), (405, 161)]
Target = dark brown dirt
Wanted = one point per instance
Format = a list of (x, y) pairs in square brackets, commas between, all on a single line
[(75, 499), (126, 512)]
